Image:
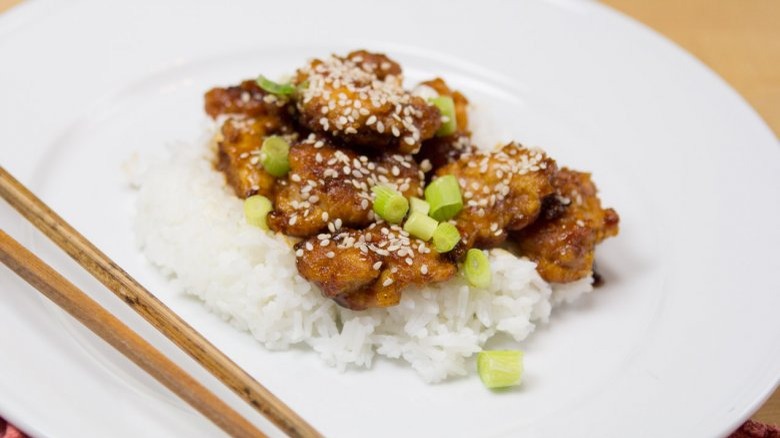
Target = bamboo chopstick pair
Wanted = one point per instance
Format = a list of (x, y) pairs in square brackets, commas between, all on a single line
[(121, 337)]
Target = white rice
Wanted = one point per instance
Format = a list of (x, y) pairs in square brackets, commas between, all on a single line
[(191, 225)]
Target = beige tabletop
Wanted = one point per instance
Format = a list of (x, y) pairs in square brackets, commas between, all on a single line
[(739, 39)]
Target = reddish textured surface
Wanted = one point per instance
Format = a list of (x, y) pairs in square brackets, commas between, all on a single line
[(751, 429), (8, 431)]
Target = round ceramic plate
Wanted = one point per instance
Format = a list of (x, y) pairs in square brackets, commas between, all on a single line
[(681, 341)]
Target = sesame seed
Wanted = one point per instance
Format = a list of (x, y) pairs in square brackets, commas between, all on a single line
[(388, 281), (424, 269), (377, 266), (330, 254), (299, 253)]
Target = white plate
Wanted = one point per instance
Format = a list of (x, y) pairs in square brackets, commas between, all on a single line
[(683, 340)]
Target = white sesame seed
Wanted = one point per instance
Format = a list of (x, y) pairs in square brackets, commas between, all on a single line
[(330, 254), (377, 266), (424, 269), (388, 281)]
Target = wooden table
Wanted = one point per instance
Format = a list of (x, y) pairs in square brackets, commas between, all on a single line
[(739, 39)]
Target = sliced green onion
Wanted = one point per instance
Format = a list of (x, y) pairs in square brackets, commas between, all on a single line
[(389, 204), (275, 88), (446, 107), (256, 209), (500, 368), (417, 205), (477, 268), (443, 194), (420, 225), (274, 156), (445, 237)]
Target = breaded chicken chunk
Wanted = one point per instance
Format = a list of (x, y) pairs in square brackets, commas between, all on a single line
[(502, 191), (328, 185), (446, 149), (360, 269), (562, 241), (239, 152), (252, 115), (246, 99), (359, 100)]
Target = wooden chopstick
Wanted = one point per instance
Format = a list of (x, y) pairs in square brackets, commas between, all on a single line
[(152, 309), (55, 287)]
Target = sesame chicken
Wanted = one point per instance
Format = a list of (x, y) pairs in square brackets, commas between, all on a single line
[(367, 268), (502, 191), (351, 126), (359, 100), (238, 153), (447, 149), (328, 187), (563, 240), (246, 99)]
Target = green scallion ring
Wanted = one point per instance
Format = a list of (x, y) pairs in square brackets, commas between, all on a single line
[(477, 268), (500, 368), (274, 87), (446, 107), (420, 225), (445, 237), (443, 195), (256, 209), (274, 155), (417, 205), (389, 204)]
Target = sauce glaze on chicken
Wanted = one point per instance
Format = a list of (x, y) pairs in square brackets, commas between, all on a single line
[(351, 126)]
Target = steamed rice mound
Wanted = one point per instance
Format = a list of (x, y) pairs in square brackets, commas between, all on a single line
[(191, 225)]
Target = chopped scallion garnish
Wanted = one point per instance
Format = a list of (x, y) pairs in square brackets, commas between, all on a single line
[(275, 88), (500, 368), (477, 268), (417, 205), (443, 195), (389, 204), (445, 237), (446, 107), (256, 209), (274, 156), (420, 225)]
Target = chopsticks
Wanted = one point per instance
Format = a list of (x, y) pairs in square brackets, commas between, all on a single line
[(152, 309), (55, 287)]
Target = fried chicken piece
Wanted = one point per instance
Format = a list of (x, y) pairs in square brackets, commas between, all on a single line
[(563, 240), (238, 153), (447, 149), (330, 185), (360, 269), (245, 99), (359, 99), (461, 103), (502, 191), (253, 115)]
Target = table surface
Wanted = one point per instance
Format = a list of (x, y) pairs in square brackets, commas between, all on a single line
[(740, 40)]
